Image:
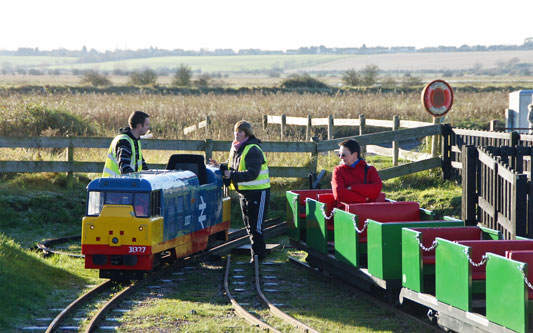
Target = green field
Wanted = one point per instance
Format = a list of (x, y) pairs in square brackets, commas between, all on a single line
[(34, 61), (203, 63), (435, 61)]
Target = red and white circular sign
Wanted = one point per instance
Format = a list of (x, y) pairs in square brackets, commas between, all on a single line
[(437, 98)]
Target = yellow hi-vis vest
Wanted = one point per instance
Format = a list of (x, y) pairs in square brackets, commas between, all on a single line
[(261, 182), (111, 168)]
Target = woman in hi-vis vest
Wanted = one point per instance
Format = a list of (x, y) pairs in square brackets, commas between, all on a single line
[(247, 172)]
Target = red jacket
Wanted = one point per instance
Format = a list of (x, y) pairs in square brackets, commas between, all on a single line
[(345, 176)]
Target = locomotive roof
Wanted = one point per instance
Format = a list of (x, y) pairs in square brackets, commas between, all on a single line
[(142, 181)]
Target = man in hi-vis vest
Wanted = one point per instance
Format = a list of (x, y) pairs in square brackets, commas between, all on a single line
[(247, 170), (124, 154)]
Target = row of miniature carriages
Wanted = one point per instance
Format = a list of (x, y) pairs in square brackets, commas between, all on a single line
[(468, 276)]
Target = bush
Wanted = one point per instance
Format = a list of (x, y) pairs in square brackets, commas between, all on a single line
[(145, 77), (303, 81), (351, 78), (37, 119), (183, 76), (203, 81), (34, 71), (95, 79), (410, 81), (369, 75)]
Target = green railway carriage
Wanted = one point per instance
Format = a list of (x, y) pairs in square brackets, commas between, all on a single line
[(469, 275)]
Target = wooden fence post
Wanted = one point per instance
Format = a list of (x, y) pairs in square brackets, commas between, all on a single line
[(469, 198), (519, 205), (362, 123), (530, 211), (514, 138), (330, 127), (308, 128), (314, 156), (70, 159), (283, 124), (434, 142), (207, 126), (208, 150), (265, 122), (446, 152), (395, 146)]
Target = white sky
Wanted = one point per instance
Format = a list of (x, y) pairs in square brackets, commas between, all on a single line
[(267, 25)]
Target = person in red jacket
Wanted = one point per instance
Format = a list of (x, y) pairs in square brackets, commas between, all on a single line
[(353, 180)]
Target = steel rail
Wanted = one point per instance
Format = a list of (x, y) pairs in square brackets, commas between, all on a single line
[(47, 243), (76, 304), (369, 298), (275, 310), (237, 238), (272, 231), (110, 305), (252, 320)]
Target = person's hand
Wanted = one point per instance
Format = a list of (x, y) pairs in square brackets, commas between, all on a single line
[(227, 174), (212, 162)]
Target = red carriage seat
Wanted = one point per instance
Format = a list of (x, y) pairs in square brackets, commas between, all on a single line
[(383, 212), (481, 247)]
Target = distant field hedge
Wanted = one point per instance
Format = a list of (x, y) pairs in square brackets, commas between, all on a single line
[(166, 90)]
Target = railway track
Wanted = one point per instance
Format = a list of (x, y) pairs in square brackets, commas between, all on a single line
[(371, 298), (235, 239), (273, 309)]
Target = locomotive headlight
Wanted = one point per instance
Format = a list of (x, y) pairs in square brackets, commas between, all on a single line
[(141, 228), (91, 227), (114, 240)]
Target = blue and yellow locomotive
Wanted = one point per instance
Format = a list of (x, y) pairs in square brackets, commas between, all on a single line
[(135, 220)]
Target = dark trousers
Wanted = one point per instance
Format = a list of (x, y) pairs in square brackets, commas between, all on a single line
[(254, 205)]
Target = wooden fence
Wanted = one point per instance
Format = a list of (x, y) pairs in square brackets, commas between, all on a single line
[(208, 147), (494, 194), (362, 123), (453, 139)]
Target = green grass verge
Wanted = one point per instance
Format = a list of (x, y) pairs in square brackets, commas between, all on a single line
[(31, 285)]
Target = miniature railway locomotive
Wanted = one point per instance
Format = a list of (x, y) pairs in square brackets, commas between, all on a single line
[(134, 221)]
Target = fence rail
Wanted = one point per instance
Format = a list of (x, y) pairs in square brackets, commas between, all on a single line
[(208, 146)]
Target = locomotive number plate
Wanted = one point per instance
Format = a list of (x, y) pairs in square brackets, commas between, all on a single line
[(137, 249)]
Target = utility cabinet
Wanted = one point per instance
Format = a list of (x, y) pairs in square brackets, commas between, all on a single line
[(516, 118)]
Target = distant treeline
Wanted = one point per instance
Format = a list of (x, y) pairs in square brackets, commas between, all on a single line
[(91, 55)]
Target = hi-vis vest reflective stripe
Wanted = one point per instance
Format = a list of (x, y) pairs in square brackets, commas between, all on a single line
[(262, 181), (111, 168)]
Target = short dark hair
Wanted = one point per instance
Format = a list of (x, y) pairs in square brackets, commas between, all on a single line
[(244, 126), (352, 145), (137, 117)]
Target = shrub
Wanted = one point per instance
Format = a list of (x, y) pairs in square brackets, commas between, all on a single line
[(203, 81), (183, 76), (410, 81), (34, 71), (37, 119), (351, 78), (95, 79), (369, 75), (143, 78), (303, 81)]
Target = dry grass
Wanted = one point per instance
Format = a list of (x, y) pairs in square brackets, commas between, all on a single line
[(170, 114)]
